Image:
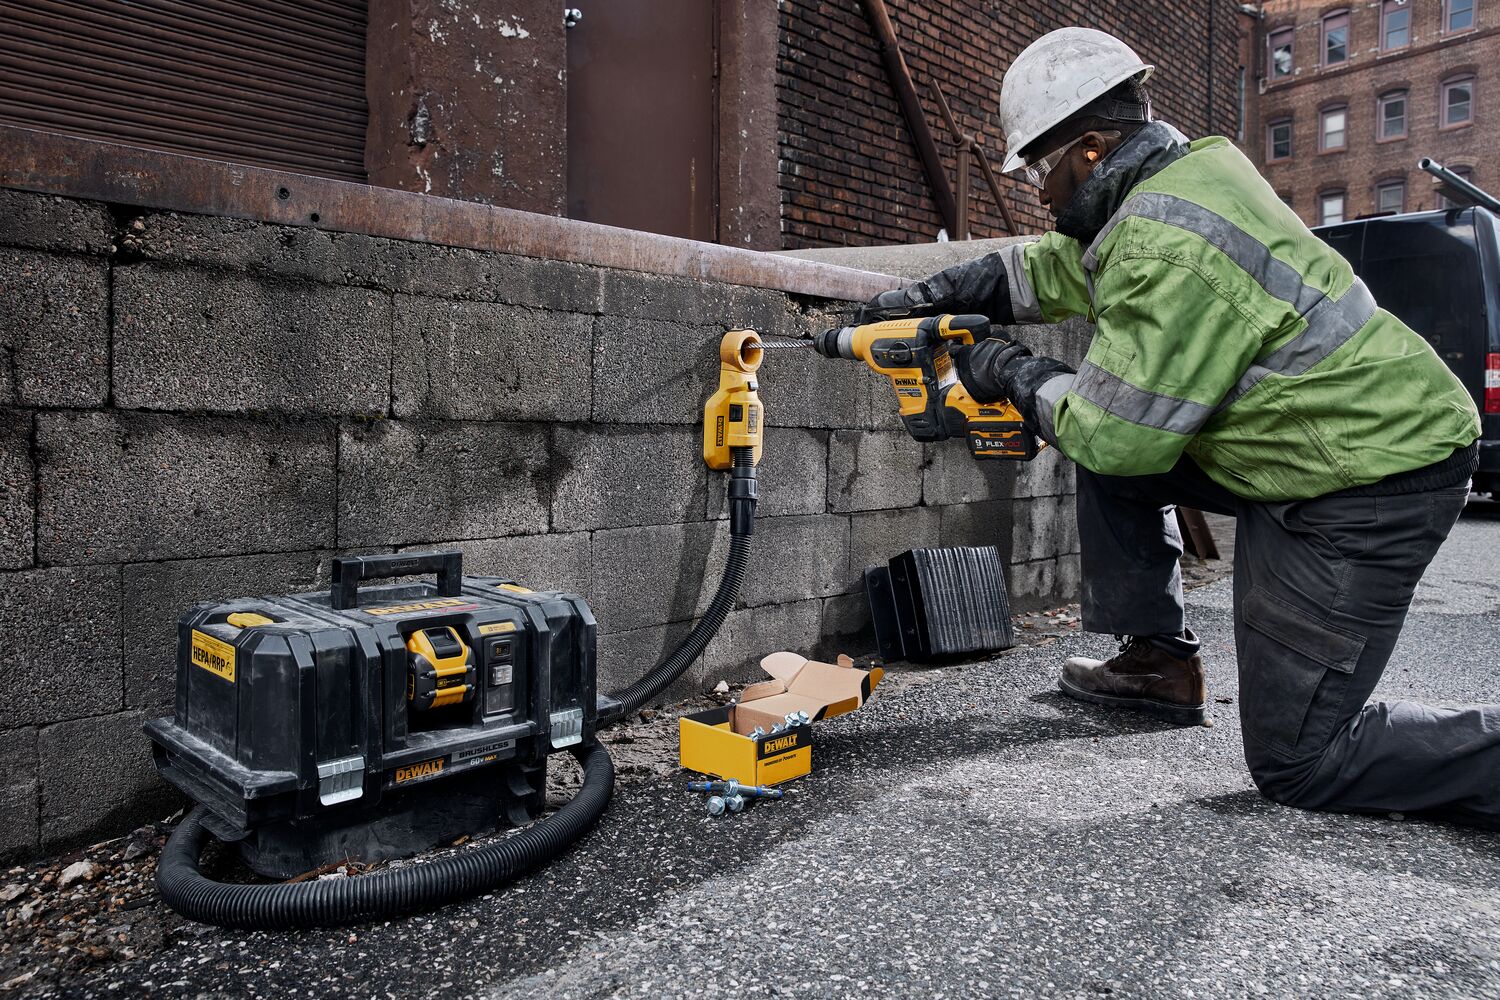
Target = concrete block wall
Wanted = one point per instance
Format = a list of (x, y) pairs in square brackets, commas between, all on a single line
[(196, 408)]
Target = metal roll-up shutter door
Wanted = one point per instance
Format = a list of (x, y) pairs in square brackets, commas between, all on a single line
[(275, 83)]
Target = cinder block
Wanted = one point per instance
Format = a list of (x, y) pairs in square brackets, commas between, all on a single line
[(876, 536), (302, 253), (118, 487), (793, 559), (1068, 583), (612, 477), (97, 777), (751, 633), (1068, 342), (20, 833), (952, 475), (193, 339), (411, 482), (683, 300), (1067, 524), (158, 593), (17, 492), (1049, 474), (541, 562), (982, 523), (882, 407), (54, 329), (61, 658), (847, 627), (792, 475), (488, 361), (351, 259), (1045, 527), (652, 371), (49, 222), (1034, 585), (873, 470), (454, 272), (650, 575), (625, 656), (801, 388)]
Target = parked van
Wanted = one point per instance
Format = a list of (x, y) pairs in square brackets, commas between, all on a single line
[(1440, 273)]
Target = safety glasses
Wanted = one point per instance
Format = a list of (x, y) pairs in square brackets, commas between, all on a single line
[(1037, 172)]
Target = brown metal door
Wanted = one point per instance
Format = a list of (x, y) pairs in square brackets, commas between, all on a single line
[(276, 83), (641, 121)]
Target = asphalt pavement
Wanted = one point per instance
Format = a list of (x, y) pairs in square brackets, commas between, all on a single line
[(970, 833)]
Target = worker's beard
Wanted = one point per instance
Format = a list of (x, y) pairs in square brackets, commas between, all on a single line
[(1149, 149)]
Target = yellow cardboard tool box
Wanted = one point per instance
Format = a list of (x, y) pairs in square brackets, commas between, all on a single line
[(718, 742)]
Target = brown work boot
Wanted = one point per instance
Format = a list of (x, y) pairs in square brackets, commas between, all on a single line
[(1144, 676)]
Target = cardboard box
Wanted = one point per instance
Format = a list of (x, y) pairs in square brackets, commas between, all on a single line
[(717, 742)]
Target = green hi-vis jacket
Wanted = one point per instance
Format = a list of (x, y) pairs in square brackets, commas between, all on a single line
[(1225, 329)]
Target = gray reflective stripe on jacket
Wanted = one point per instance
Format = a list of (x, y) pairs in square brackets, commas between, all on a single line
[(1113, 394), (1278, 278), (1330, 322), (1047, 397), (1024, 306)]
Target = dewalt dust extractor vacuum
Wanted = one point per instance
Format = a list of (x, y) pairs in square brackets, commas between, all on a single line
[(378, 721)]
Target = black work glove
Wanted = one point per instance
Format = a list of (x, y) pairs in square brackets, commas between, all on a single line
[(997, 369), (976, 286)]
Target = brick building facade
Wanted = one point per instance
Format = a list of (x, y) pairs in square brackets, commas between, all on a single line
[(1352, 96), (848, 172), (743, 122)]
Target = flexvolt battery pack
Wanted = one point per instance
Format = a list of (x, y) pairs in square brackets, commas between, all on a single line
[(377, 721)]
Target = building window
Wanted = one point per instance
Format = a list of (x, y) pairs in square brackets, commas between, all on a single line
[(1279, 140), (1458, 15), (1331, 136), (1395, 24), (1458, 102), (1336, 38), (1391, 118), (1467, 173), (1281, 53), (1330, 208), (1391, 197)]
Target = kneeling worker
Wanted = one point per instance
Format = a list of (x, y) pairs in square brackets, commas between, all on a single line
[(1237, 366)]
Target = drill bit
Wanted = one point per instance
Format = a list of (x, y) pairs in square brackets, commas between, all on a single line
[(778, 345)]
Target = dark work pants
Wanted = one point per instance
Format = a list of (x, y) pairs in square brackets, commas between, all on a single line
[(1321, 588)]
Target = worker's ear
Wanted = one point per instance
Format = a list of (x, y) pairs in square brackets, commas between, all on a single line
[(1094, 147)]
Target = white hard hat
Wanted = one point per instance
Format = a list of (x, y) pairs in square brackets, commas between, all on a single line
[(1057, 76)]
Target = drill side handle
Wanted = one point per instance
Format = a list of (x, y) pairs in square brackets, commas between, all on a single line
[(969, 328)]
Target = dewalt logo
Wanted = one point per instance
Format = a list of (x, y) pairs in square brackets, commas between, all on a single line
[(426, 769), (719, 432), (398, 609), (907, 381), (784, 743)]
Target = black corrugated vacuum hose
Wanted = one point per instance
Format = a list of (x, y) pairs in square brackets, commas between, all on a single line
[(742, 496), (385, 894), (379, 895)]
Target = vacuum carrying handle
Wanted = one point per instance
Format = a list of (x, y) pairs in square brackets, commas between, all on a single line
[(348, 571)]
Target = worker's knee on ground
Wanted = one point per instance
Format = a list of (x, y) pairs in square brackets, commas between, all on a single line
[(1291, 783)]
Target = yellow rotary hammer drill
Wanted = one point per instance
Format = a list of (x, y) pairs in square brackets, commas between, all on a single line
[(914, 354)]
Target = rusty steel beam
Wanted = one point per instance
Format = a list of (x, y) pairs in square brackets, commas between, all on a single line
[(911, 109), (128, 175), (967, 143)]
